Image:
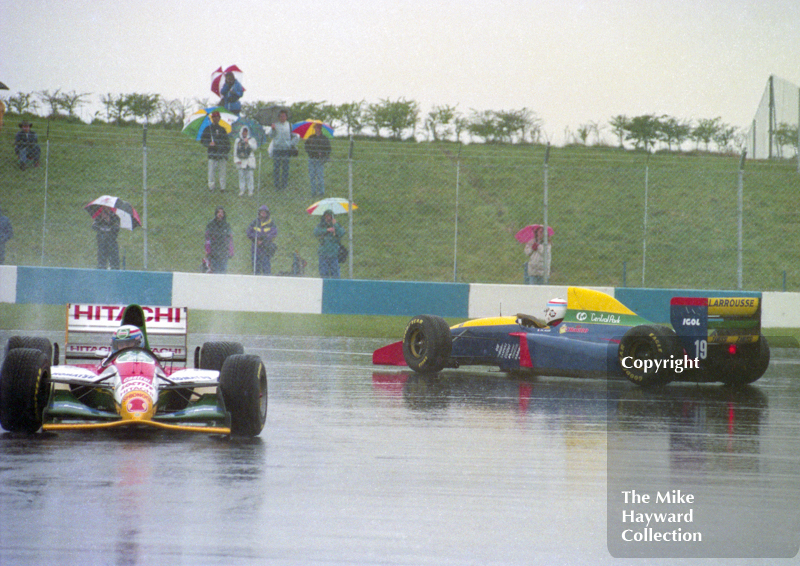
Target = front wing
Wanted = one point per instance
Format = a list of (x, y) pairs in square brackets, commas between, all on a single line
[(66, 410)]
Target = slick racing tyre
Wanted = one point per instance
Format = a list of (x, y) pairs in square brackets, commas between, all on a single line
[(243, 384), (750, 363), (641, 347), (427, 344), (214, 354), (24, 389)]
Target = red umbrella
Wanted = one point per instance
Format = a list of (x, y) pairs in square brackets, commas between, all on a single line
[(526, 234), (219, 75)]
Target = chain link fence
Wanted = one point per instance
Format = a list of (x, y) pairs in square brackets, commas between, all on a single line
[(426, 212)]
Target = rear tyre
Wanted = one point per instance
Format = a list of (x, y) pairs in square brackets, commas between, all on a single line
[(643, 344), (749, 365), (427, 344), (243, 385), (24, 389)]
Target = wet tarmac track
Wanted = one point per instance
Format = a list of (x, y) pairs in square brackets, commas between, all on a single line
[(366, 465)]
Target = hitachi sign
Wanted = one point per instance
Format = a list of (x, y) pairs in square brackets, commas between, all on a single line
[(113, 313)]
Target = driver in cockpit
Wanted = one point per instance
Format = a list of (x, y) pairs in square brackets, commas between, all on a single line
[(127, 336), (554, 313)]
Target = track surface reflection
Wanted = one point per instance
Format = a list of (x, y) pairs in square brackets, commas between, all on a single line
[(364, 465)]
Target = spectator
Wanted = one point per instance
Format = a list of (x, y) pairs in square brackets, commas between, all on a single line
[(219, 242), (329, 232), (26, 146), (106, 223), (231, 92), (245, 159), (535, 250), (284, 144), (319, 153), (262, 231), (6, 233), (215, 138)]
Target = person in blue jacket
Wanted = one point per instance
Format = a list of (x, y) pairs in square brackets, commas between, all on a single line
[(231, 92)]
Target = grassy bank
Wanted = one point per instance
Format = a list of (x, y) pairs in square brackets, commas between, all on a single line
[(408, 196), (53, 318)]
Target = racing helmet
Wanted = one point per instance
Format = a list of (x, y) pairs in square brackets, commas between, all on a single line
[(555, 311), (127, 336)]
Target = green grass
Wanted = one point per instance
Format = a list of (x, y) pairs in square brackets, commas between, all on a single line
[(406, 193), (53, 318)]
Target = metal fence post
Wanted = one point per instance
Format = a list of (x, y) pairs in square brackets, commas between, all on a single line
[(144, 193), (455, 235), (46, 172), (644, 224), (740, 192), (350, 208), (544, 210)]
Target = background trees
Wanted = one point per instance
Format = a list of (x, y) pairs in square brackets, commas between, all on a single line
[(400, 120)]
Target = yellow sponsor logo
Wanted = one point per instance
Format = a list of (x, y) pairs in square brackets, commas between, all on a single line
[(733, 306)]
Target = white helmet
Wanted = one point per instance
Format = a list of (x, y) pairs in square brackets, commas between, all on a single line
[(127, 336), (555, 311)]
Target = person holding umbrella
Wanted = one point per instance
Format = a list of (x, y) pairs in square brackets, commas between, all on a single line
[(230, 93), (319, 153), (215, 138), (219, 242), (329, 233), (106, 224), (263, 231), (538, 265), (245, 159)]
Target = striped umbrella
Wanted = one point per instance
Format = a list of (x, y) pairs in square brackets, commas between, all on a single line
[(128, 217)]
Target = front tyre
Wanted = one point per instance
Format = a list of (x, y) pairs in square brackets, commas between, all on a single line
[(24, 389), (214, 354), (640, 350), (427, 344), (243, 385)]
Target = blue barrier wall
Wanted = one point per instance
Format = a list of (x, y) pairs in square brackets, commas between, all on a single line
[(58, 286), (653, 304), (397, 298)]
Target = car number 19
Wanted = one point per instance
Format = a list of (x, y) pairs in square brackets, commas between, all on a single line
[(700, 349)]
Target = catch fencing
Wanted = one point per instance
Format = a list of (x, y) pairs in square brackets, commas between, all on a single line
[(425, 211)]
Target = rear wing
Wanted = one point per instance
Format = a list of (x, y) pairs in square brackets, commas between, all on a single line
[(716, 320), (89, 329)]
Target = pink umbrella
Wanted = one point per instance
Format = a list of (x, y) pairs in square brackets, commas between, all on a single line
[(526, 234), (219, 75)]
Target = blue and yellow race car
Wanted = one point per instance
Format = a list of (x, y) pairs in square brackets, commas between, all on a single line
[(592, 334)]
